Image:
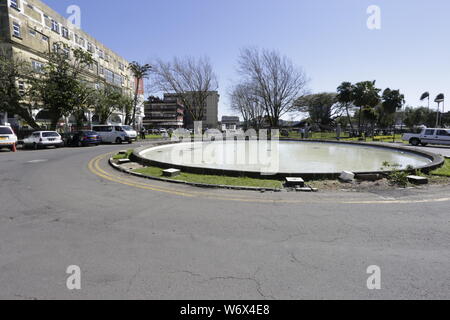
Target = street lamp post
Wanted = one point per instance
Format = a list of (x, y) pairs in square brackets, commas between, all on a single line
[(439, 99)]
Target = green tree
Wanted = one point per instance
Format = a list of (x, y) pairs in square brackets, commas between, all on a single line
[(58, 86), (108, 100), (345, 97), (415, 117), (323, 108), (393, 101), (86, 101), (139, 72), (15, 100), (366, 96)]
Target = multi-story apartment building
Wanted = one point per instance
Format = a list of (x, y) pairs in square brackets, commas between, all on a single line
[(164, 113), (211, 112), (30, 29)]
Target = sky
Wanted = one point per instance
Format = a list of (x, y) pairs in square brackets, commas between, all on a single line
[(328, 39)]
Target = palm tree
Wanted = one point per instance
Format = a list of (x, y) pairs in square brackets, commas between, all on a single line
[(346, 97), (424, 96), (392, 101), (139, 72)]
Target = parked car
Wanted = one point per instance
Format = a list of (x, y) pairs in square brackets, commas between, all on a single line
[(428, 136), (8, 138), (284, 133), (43, 139), (84, 139), (116, 133)]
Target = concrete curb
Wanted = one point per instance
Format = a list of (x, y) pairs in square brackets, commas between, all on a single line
[(199, 185)]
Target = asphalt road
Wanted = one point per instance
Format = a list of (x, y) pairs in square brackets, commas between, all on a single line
[(136, 239)]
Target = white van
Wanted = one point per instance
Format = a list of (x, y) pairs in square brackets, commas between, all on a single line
[(116, 133)]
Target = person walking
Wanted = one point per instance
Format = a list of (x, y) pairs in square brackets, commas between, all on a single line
[(143, 132), (302, 133)]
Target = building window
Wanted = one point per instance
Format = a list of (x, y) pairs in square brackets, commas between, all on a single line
[(80, 41), (37, 66), (109, 75), (107, 58), (66, 51), (55, 26), (16, 29), (21, 88), (44, 38), (15, 4), (90, 48), (65, 32), (32, 33), (118, 80), (56, 47), (101, 70)]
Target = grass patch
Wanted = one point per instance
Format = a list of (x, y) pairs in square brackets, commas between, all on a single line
[(214, 179), (444, 171), (345, 137), (153, 136), (123, 156)]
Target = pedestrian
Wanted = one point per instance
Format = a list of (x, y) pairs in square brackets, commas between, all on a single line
[(338, 131), (143, 131), (302, 133), (307, 128)]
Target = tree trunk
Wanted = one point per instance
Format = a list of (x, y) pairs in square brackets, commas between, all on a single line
[(359, 122), (54, 122), (136, 93), (350, 121), (29, 119)]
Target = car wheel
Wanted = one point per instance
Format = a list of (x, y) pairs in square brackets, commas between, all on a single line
[(119, 141), (415, 142), (80, 144), (35, 146)]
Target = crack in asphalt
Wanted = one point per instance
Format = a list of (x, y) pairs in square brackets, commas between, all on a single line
[(258, 284)]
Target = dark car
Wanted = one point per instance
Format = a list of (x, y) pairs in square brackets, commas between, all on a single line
[(84, 139), (284, 133)]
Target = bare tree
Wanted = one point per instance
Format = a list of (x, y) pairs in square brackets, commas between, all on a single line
[(191, 79), (248, 104), (276, 80)]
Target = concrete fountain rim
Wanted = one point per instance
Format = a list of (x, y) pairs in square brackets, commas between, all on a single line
[(436, 162)]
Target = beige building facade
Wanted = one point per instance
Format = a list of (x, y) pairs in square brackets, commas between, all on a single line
[(30, 29), (211, 111)]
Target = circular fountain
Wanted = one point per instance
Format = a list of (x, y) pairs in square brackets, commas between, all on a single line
[(308, 159)]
